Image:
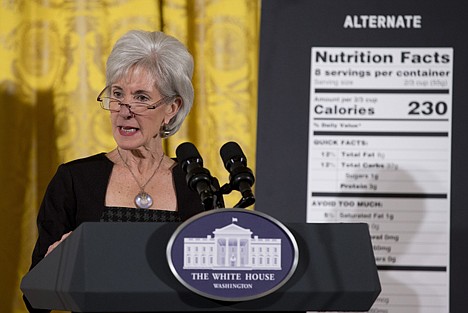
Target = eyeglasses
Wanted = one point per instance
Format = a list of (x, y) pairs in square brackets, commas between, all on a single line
[(136, 107)]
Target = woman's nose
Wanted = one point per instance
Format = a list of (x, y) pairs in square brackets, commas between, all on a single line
[(125, 111)]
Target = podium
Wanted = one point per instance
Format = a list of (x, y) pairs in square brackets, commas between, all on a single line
[(122, 267)]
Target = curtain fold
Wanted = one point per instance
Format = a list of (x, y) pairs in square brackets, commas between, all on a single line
[(52, 61), (223, 38)]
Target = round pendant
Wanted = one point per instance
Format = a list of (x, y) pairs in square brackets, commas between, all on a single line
[(143, 200)]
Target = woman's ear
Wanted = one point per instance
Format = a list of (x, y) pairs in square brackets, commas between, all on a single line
[(172, 109)]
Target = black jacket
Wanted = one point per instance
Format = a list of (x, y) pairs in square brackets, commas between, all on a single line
[(76, 194)]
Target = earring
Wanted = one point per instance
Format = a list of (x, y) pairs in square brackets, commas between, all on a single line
[(164, 131)]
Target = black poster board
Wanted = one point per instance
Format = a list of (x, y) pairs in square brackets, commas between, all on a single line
[(288, 31)]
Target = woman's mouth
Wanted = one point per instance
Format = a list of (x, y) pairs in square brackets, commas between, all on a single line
[(127, 130)]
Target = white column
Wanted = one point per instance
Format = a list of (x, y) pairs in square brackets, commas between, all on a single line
[(238, 252), (226, 259)]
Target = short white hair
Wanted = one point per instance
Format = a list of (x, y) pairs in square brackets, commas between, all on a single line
[(165, 57)]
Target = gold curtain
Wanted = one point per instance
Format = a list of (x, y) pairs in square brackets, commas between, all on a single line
[(52, 61)]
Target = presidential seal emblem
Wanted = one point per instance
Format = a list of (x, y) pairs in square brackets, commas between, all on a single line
[(232, 254)]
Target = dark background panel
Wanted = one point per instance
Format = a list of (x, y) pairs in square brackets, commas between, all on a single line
[(289, 28)]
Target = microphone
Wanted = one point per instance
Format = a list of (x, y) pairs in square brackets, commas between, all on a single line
[(198, 178), (241, 177)]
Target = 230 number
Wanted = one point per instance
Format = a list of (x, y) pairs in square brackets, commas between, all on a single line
[(427, 108)]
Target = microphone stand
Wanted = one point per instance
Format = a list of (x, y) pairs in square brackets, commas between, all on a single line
[(218, 201), (246, 200)]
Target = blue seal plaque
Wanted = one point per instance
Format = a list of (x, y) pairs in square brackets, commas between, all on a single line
[(232, 254)]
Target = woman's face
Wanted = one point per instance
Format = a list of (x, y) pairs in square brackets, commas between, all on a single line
[(133, 131)]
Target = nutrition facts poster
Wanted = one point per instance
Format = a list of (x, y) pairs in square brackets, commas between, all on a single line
[(379, 153)]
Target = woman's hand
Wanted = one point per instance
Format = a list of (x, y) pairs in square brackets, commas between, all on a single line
[(55, 244)]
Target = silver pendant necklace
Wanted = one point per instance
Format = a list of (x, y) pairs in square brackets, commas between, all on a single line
[(142, 200)]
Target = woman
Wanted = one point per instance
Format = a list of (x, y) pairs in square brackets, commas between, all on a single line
[(149, 93)]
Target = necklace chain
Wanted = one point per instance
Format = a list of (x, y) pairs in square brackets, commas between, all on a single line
[(142, 187)]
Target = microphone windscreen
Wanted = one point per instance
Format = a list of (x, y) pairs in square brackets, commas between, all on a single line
[(231, 150), (187, 151)]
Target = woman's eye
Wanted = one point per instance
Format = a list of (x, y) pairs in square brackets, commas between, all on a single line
[(142, 98), (117, 94)]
